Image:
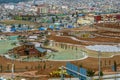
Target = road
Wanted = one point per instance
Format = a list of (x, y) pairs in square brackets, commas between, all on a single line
[(105, 77)]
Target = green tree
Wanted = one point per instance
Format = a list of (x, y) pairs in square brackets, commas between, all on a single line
[(76, 48), (67, 18), (53, 19), (73, 15), (14, 43), (8, 67), (19, 25), (57, 17), (46, 42), (115, 66), (39, 66), (19, 36), (65, 46), (81, 65), (90, 73), (72, 47), (77, 14), (101, 73), (1, 67), (44, 67)]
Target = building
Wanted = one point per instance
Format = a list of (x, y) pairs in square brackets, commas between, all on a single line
[(97, 18), (42, 9), (107, 17), (29, 49)]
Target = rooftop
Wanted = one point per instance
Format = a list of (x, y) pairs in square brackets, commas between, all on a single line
[(41, 49)]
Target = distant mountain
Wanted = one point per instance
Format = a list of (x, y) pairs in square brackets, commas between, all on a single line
[(11, 1)]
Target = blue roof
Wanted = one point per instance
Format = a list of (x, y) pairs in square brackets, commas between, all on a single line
[(41, 49), (51, 27), (42, 28), (1, 26), (61, 24), (22, 29), (57, 28), (13, 29), (81, 15), (69, 26)]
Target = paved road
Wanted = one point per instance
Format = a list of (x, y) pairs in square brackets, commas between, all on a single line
[(111, 77), (106, 77)]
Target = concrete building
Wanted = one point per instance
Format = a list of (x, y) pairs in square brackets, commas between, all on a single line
[(42, 9)]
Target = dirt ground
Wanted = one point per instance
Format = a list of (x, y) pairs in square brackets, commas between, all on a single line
[(89, 63), (45, 67)]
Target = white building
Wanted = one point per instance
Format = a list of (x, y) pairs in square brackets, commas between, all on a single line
[(8, 6)]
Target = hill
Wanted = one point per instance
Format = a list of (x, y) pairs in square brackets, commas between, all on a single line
[(11, 1)]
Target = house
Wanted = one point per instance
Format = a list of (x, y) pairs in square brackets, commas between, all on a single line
[(2, 37), (42, 9), (32, 38), (29, 49)]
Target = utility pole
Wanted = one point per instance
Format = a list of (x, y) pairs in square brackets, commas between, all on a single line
[(12, 70), (62, 75), (99, 64)]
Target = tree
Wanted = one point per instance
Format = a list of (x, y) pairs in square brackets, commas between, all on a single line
[(14, 43), (76, 48), (101, 73), (26, 67), (44, 67), (29, 18), (60, 21), (53, 19), (109, 62), (77, 14), (39, 66), (90, 73), (73, 15), (13, 26), (65, 46), (14, 67), (19, 25), (80, 65), (8, 67), (115, 66), (19, 36), (67, 18), (105, 62), (57, 17), (72, 47), (1, 67), (46, 42)]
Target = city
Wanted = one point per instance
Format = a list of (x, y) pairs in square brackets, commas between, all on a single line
[(60, 40)]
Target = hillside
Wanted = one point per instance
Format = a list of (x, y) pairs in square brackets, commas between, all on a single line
[(11, 1)]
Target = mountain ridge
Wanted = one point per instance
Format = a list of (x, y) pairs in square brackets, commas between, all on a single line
[(11, 1)]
